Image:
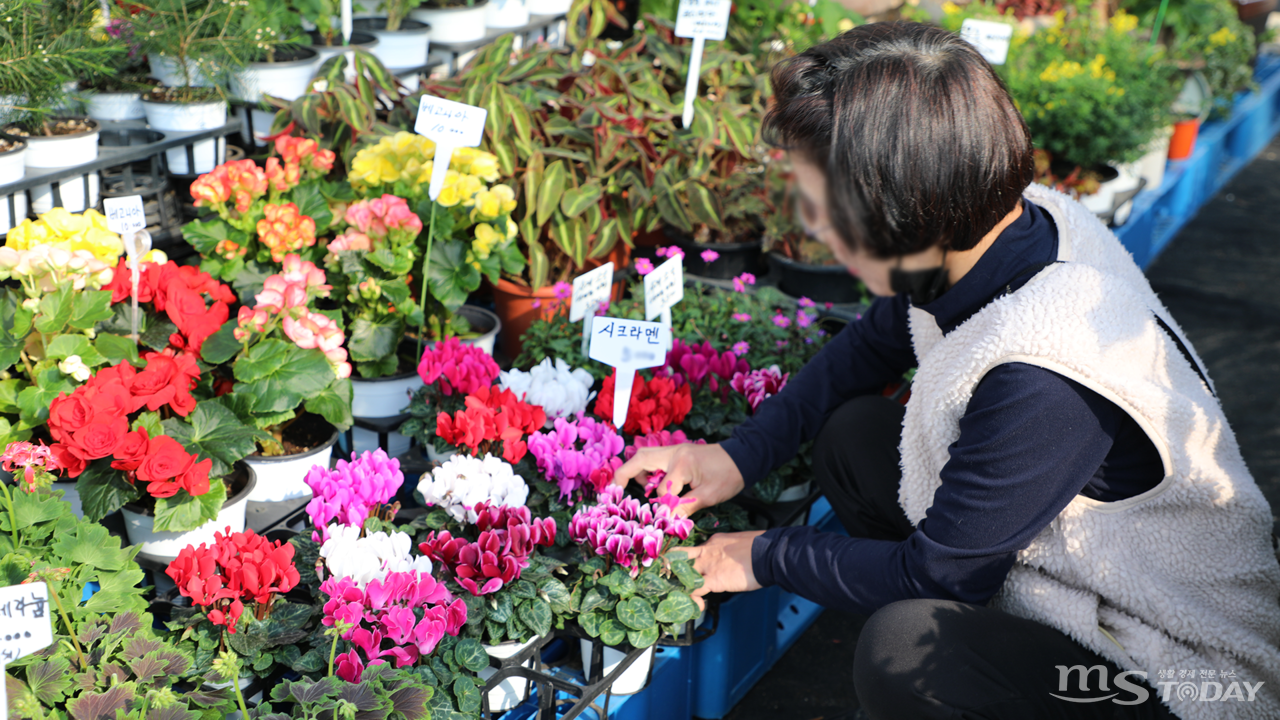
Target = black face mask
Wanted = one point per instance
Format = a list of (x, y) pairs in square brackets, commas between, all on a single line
[(923, 286)]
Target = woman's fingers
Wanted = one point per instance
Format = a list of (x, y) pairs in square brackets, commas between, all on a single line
[(646, 460)]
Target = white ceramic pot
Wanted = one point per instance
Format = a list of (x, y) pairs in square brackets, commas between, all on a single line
[(548, 7), (72, 192), (364, 41), (482, 319), (285, 80), (139, 526), (284, 477), (401, 49), (632, 680), (510, 692), (506, 14), (190, 117), (114, 107), (61, 151), (167, 72), (457, 24), (383, 397), (255, 122), (71, 495)]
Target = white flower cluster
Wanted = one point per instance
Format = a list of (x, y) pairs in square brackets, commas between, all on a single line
[(368, 558), (561, 391), (463, 482)]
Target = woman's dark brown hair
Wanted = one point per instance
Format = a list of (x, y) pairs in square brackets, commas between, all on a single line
[(919, 139)]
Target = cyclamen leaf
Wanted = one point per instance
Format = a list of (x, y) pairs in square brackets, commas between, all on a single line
[(676, 608), (556, 594), (590, 623), (612, 632), (470, 654), (536, 615), (636, 614), (523, 589), (594, 599), (643, 638), (466, 694), (688, 577)]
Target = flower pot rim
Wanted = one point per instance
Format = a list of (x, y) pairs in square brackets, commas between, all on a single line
[(370, 42), (486, 312), (21, 145), (270, 460), (310, 56), (97, 128), (426, 5), (390, 378), (92, 93), (680, 238), (148, 101), (244, 492), (369, 24), (836, 269)]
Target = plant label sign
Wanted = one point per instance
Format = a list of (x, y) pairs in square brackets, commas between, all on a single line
[(663, 288), (590, 291), (124, 214), (449, 125), (26, 625), (990, 38), (701, 20), (627, 345)]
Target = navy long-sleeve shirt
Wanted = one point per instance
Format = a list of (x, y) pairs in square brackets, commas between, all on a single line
[(1030, 441)]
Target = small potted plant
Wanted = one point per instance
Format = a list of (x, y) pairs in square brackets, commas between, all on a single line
[(506, 14), (450, 371), (116, 95), (402, 42), (327, 39), (288, 378), (453, 21), (282, 65)]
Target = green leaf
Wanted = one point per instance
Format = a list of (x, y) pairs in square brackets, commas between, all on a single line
[(279, 375), (523, 589), (593, 599), (536, 615), (452, 278), (50, 680), (620, 582), (643, 638), (117, 349), (636, 613), (551, 190), (104, 490), (212, 431), (470, 654), (156, 336), (32, 509), (183, 512), (89, 308), (684, 572), (333, 404), (501, 609), (222, 345), (612, 632), (368, 341), (590, 622), (571, 236), (556, 594), (651, 584), (677, 608), (466, 694), (151, 421), (704, 206), (55, 311), (64, 346), (91, 545), (311, 202), (575, 201)]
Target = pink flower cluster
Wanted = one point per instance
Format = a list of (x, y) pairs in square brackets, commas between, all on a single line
[(33, 459), (577, 454), (402, 618), (382, 216), (285, 296), (460, 368), (701, 365), (662, 438), (758, 385), (508, 537), (629, 531), (347, 493)]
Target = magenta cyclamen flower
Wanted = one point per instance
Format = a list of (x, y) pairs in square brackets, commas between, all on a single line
[(760, 384), (576, 454), (347, 493), (459, 368), (630, 532), (701, 365), (508, 536), (662, 438)]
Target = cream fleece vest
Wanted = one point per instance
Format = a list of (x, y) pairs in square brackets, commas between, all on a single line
[(1181, 577)]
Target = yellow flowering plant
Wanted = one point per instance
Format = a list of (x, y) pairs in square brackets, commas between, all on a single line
[(468, 233)]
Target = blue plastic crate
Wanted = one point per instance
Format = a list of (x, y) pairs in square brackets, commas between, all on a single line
[(667, 695)]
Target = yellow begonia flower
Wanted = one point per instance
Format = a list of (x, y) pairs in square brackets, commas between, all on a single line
[(485, 167), (63, 223), (486, 240), (467, 187), (506, 195), (448, 196), (487, 205)]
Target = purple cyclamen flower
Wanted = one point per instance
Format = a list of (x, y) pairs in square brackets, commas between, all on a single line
[(577, 454), (349, 492)]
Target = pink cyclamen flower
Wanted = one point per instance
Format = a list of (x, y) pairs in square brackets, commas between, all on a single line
[(741, 282), (742, 317), (741, 348), (782, 321), (710, 256), (348, 493), (644, 266), (627, 531), (458, 368), (759, 385), (574, 452)]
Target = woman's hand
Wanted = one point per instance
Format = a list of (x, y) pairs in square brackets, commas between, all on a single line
[(707, 470), (725, 564)]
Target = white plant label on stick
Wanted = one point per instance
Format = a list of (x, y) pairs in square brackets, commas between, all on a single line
[(663, 288), (590, 291), (700, 20), (137, 243), (990, 38), (26, 626), (628, 346), (347, 24), (124, 214), (449, 125)]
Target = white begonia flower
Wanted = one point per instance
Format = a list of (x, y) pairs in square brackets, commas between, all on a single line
[(463, 482), (364, 559), (74, 367), (560, 390)]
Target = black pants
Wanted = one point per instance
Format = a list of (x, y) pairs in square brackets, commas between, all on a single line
[(927, 658)]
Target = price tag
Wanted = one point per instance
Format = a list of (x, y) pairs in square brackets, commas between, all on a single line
[(990, 38), (627, 345), (124, 214), (449, 125), (26, 625), (590, 291), (706, 19), (664, 287)]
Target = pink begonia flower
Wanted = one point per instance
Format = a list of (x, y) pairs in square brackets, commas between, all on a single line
[(303, 272), (644, 266), (352, 240), (759, 385), (709, 256), (377, 218), (279, 294)]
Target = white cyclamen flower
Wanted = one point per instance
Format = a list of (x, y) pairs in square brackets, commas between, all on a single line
[(463, 482), (368, 558), (560, 390)]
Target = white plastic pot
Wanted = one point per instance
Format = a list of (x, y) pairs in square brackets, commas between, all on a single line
[(383, 397), (284, 477), (190, 117), (548, 7), (72, 192), (401, 49), (167, 72), (364, 41), (510, 692), (114, 107), (1102, 201), (71, 495), (453, 24), (61, 151), (13, 164), (285, 80), (632, 680), (7, 223), (140, 526), (481, 318), (506, 14)]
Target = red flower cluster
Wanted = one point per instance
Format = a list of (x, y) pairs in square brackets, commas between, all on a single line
[(508, 537), (655, 405), (492, 415), (239, 568), (93, 423), (180, 292)]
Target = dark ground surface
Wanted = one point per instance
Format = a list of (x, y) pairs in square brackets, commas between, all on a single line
[(1220, 278)]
